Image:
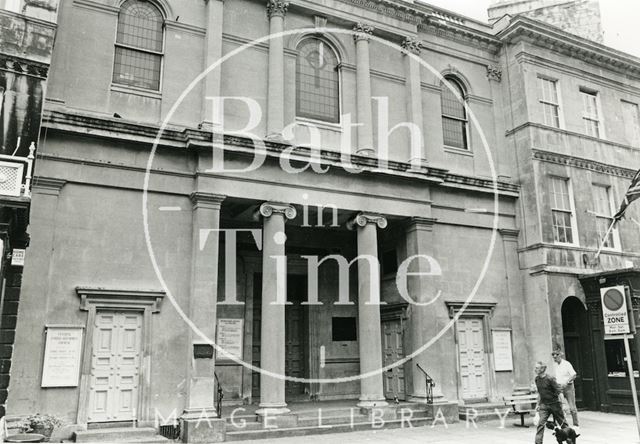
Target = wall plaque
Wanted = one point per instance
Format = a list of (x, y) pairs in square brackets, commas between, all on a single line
[(502, 356), (62, 352), (229, 338)]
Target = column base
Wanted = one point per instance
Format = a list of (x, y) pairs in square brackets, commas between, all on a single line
[(275, 137), (441, 408), (418, 164), (366, 152), (202, 429), (371, 403), (201, 413)]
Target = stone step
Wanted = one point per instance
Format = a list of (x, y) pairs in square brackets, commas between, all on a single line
[(486, 411), (314, 430), (120, 434)]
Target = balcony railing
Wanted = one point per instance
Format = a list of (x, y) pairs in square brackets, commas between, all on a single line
[(16, 173)]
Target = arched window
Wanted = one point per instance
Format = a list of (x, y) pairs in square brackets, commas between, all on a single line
[(454, 115), (317, 81), (139, 45)]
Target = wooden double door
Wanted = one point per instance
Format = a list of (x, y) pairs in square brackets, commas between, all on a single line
[(115, 366), (296, 337)]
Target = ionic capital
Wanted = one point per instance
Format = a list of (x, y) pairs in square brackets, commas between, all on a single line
[(277, 8), (411, 44), (362, 31), (362, 219), (268, 209)]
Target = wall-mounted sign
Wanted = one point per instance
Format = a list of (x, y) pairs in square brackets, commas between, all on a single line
[(229, 338), (502, 355), (614, 310), (17, 257), (62, 352)]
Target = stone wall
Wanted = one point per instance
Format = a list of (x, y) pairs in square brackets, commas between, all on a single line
[(579, 17)]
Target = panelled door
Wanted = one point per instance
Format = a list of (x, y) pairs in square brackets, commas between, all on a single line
[(393, 351), (471, 353), (115, 366)]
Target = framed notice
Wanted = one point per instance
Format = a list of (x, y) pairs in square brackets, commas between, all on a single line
[(229, 338), (502, 356), (62, 352)]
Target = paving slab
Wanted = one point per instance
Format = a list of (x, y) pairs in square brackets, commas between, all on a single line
[(597, 428)]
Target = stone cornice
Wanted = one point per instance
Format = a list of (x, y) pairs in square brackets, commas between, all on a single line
[(23, 66), (586, 164), (362, 219), (105, 127), (460, 33), (555, 39), (90, 4), (47, 185)]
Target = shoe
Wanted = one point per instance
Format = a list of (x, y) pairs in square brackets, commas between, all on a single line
[(576, 428)]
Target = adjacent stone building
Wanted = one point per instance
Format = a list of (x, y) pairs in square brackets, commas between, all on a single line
[(159, 224), (26, 42)]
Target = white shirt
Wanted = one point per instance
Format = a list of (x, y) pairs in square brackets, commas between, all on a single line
[(564, 372)]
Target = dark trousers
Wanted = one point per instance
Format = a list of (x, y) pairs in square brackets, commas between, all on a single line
[(544, 412)]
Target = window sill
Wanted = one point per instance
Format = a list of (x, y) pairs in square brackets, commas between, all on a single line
[(566, 244), (136, 91), (460, 151), (305, 121)]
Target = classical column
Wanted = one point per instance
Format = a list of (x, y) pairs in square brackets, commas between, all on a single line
[(212, 53), (361, 35), (274, 292), (276, 10), (202, 303), (369, 336), (411, 49)]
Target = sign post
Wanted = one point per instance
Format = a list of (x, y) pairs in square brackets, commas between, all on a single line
[(618, 319)]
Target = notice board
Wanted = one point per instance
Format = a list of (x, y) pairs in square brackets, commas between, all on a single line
[(62, 353)]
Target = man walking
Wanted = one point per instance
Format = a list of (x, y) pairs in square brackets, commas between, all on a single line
[(565, 375), (548, 400)]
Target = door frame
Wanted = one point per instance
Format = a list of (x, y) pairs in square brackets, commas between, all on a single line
[(145, 302), (398, 312), (482, 311)]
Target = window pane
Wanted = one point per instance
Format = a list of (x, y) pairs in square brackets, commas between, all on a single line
[(317, 81), (140, 25), (454, 133), (454, 115), (562, 227), (551, 115), (602, 224), (548, 91), (451, 105), (601, 203), (631, 122), (137, 68), (560, 194)]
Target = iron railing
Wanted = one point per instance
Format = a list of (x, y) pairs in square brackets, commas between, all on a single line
[(430, 384), (14, 179), (219, 394)]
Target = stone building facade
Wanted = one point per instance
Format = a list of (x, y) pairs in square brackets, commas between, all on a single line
[(158, 224), (26, 44)]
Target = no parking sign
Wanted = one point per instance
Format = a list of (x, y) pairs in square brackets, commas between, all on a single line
[(614, 310)]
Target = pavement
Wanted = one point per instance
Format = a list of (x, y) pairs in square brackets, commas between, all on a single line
[(596, 428)]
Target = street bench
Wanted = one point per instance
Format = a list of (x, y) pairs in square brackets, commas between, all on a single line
[(522, 405)]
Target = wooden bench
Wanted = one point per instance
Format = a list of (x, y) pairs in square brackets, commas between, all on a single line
[(522, 405)]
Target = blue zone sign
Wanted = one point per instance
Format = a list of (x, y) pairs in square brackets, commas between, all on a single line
[(614, 310)]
